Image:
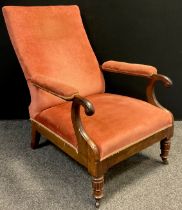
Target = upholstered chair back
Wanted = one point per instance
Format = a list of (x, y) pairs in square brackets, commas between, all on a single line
[(51, 41)]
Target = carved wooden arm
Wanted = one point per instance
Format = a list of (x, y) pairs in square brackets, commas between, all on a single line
[(150, 91), (151, 98), (70, 94), (78, 127)]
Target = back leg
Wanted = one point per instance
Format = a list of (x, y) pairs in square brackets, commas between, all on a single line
[(35, 137)]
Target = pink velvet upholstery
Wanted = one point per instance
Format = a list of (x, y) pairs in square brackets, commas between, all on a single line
[(55, 54), (119, 121), (51, 40), (128, 68), (54, 86)]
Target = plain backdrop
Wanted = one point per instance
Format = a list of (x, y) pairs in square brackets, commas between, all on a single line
[(140, 31)]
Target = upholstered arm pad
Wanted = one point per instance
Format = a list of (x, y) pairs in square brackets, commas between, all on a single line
[(54, 87), (128, 68)]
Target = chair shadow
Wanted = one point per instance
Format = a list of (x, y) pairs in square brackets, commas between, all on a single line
[(129, 171), (43, 144)]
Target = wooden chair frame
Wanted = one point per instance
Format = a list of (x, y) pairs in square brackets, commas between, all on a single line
[(87, 152)]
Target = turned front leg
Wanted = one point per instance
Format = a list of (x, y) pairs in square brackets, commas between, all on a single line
[(98, 185), (165, 147)]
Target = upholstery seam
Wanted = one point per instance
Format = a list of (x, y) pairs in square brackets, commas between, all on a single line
[(60, 137), (53, 93), (127, 146), (105, 157)]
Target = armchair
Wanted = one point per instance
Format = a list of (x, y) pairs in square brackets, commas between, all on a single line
[(69, 105)]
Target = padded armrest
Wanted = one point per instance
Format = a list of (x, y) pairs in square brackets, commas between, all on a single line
[(128, 68), (54, 87)]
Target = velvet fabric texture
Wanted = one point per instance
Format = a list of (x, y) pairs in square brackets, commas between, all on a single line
[(55, 54), (54, 86), (129, 68), (119, 121), (51, 41)]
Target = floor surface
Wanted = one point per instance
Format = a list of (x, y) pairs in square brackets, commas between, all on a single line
[(46, 178)]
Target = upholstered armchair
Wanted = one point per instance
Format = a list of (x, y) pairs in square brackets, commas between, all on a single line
[(69, 105)]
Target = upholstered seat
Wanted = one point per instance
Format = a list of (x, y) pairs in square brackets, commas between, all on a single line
[(69, 105), (118, 122)]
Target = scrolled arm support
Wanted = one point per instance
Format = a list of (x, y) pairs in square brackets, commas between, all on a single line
[(150, 91), (88, 107), (80, 132)]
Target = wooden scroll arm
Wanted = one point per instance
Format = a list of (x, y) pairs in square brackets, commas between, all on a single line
[(150, 91), (80, 132)]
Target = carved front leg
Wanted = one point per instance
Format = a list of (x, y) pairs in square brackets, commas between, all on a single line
[(98, 185), (165, 147)]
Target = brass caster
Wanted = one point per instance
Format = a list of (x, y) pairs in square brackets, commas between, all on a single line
[(165, 162), (97, 203)]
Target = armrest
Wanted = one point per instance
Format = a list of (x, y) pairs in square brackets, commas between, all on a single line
[(54, 87), (140, 70), (128, 68), (71, 94)]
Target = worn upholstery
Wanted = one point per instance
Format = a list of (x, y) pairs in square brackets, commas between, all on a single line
[(51, 40), (129, 68), (118, 122)]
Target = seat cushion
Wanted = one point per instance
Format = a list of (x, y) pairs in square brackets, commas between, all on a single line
[(118, 122)]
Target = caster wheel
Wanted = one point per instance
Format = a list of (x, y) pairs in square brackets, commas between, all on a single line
[(97, 204), (165, 162)]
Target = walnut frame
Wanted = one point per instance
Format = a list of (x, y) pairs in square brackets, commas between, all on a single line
[(87, 153)]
